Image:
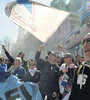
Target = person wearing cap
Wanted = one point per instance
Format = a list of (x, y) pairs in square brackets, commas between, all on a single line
[(66, 79), (48, 84), (33, 75), (81, 84)]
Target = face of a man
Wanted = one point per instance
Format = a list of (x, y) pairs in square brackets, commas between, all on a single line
[(16, 63), (86, 47), (51, 58), (67, 60)]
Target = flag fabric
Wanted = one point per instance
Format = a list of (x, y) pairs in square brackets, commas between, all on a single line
[(39, 20), (13, 89), (84, 13)]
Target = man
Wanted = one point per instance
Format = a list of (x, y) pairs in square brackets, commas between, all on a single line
[(77, 60), (21, 55), (48, 84), (17, 69), (81, 84), (66, 79)]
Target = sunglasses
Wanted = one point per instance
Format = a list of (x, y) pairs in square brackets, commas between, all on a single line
[(66, 57), (87, 40)]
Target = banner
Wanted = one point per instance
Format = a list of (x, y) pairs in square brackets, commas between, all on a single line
[(84, 13), (39, 20), (13, 89)]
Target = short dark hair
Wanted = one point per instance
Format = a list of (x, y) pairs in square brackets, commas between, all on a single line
[(52, 52), (77, 56), (20, 53), (1, 59), (49, 53)]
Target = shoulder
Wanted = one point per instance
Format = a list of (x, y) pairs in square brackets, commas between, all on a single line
[(21, 68), (38, 71)]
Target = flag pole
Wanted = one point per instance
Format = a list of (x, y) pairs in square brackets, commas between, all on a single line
[(46, 40)]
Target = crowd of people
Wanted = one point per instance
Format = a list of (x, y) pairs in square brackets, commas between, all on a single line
[(59, 77)]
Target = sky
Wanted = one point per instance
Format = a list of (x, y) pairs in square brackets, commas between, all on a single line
[(7, 27)]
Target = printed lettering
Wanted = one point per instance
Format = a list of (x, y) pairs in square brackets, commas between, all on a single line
[(8, 94), (82, 79), (25, 92)]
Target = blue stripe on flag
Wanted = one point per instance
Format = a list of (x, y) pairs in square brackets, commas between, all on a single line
[(27, 4)]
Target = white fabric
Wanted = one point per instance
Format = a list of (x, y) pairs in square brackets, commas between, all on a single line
[(67, 96), (62, 78), (60, 54), (41, 21), (32, 71)]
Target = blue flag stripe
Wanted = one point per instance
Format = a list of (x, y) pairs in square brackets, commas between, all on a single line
[(26, 3)]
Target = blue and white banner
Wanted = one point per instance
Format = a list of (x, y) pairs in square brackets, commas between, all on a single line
[(13, 89), (41, 21), (84, 13)]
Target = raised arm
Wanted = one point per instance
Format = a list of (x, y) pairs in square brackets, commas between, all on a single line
[(7, 54), (40, 62)]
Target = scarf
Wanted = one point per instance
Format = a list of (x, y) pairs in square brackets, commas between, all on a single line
[(32, 71)]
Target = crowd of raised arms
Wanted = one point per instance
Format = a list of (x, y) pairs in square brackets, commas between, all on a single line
[(59, 77)]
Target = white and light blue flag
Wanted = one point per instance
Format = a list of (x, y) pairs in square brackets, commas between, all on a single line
[(13, 89), (39, 20)]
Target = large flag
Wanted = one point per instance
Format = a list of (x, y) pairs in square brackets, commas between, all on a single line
[(39, 20), (13, 89)]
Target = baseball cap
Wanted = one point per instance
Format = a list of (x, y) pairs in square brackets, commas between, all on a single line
[(68, 55)]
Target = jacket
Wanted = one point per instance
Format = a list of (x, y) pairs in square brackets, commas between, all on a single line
[(19, 72), (25, 65), (49, 75), (35, 78), (3, 69), (81, 84)]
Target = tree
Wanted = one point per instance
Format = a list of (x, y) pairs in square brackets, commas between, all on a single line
[(7, 43)]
